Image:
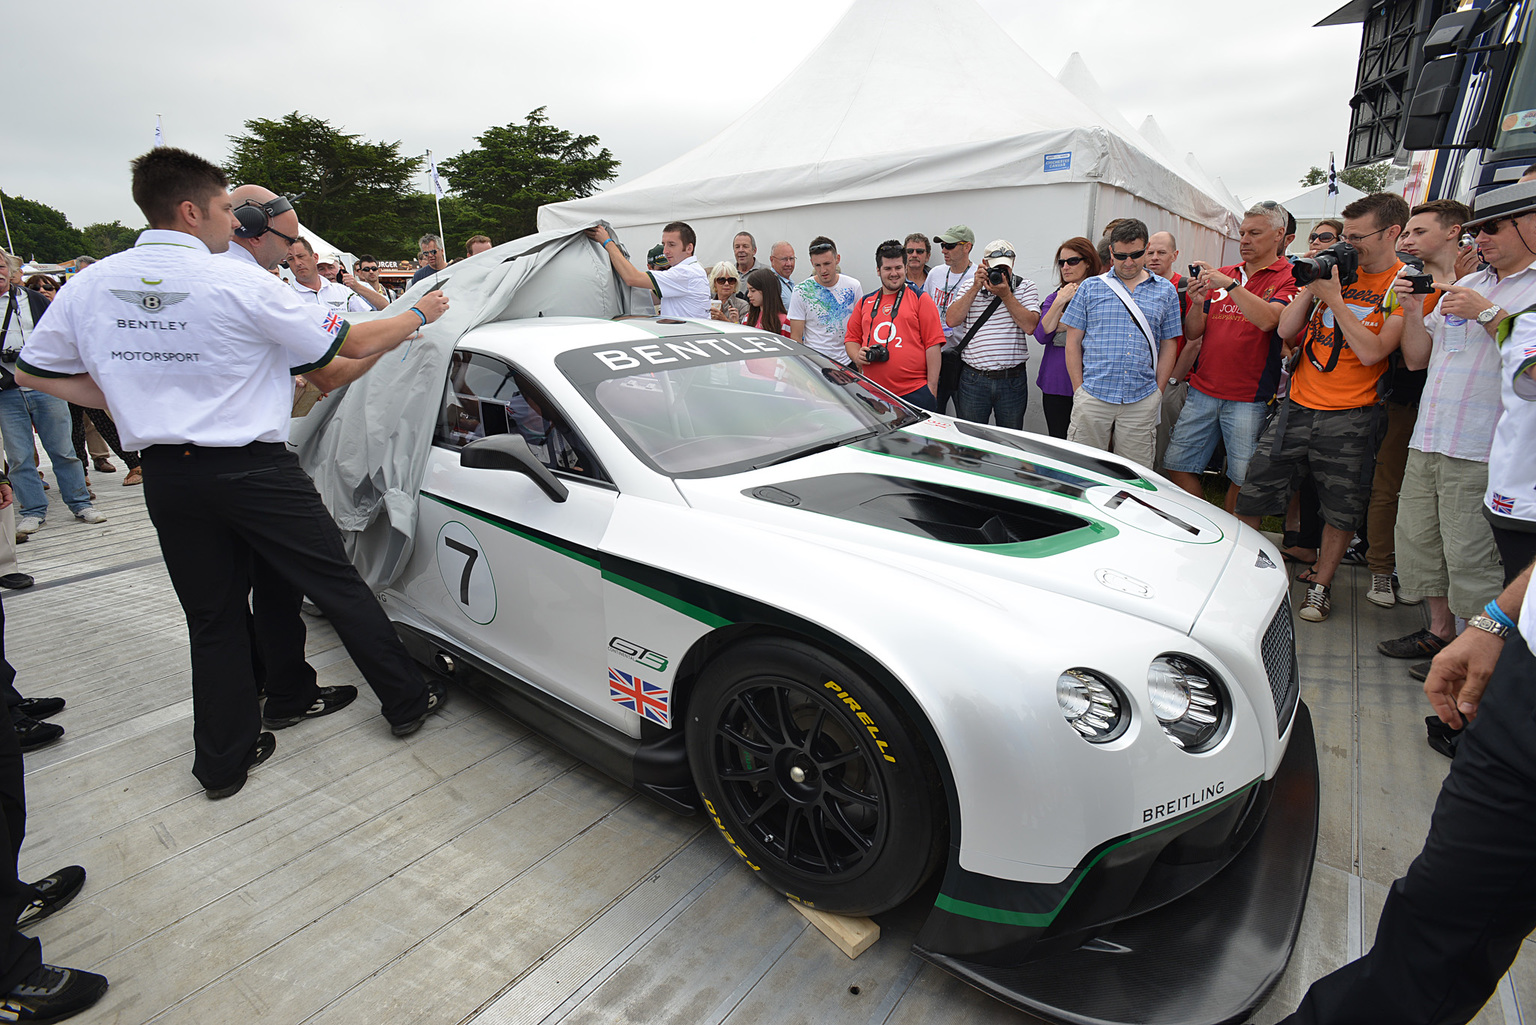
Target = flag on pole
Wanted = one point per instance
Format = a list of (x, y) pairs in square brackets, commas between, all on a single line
[(437, 186), (1333, 177), (159, 132)]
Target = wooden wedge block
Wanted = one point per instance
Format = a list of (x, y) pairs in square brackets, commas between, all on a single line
[(853, 936)]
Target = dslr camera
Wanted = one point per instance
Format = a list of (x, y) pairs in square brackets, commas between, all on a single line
[(1423, 284), (1341, 255), (877, 354), (998, 275)]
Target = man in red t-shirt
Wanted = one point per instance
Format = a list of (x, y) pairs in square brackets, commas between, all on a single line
[(905, 323), (1233, 314)]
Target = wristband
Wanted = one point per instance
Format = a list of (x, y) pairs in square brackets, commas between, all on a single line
[(606, 241), (420, 314), (1493, 612)]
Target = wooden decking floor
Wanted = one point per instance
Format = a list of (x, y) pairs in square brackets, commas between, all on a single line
[(475, 873)]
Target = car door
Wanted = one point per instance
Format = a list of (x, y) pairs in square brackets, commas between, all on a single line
[(519, 570)]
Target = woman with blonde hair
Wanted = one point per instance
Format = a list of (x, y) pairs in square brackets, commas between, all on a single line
[(724, 283)]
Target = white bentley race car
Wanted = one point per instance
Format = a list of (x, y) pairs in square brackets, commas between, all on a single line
[(873, 644)]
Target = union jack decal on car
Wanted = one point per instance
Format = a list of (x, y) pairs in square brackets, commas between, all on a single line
[(640, 697)]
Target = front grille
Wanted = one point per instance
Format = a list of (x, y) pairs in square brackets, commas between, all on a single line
[(1279, 651)]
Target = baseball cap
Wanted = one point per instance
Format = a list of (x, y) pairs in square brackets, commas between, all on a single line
[(327, 258), (656, 255), (1000, 246), (959, 233), (1519, 198)]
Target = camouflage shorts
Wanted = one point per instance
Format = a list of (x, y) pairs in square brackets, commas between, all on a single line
[(1336, 446)]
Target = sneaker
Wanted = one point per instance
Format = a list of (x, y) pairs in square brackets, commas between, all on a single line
[(1381, 592), (1316, 606), (89, 514), (1420, 671), (1354, 555), (34, 734), (40, 708), (330, 699), (1419, 644), (52, 994), (437, 697), (29, 525), (17, 581), (53, 893), (265, 745)]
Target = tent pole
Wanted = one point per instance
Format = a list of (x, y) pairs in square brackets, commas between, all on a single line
[(1093, 208)]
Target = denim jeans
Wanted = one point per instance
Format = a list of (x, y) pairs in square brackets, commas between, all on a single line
[(979, 397), (20, 410)]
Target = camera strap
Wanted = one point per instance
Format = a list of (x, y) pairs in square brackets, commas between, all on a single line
[(874, 311), (1135, 311), (986, 315), (7, 377)]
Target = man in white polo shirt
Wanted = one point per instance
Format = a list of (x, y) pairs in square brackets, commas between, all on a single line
[(310, 284), (819, 306), (195, 354), (683, 286)]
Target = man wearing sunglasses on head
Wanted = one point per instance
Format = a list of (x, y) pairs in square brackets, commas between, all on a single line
[(994, 319), (1121, 328)]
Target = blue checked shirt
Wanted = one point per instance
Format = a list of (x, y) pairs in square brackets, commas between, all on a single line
[(1117, 361)]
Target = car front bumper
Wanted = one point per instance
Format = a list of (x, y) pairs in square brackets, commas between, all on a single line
[(1189, 924)]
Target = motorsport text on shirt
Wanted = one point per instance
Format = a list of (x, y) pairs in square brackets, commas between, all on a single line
[(188, 348)]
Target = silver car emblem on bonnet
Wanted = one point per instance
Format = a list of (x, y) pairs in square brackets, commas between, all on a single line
[(1117, 581), (1264, 562)]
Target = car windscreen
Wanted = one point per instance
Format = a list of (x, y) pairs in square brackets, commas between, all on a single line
[(706, 405)]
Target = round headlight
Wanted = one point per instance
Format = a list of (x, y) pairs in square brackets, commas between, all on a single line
[(1188, 700), (1091, 705)]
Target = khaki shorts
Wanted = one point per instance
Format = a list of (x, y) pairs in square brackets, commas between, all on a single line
[(1132, 424), (1444, 544)]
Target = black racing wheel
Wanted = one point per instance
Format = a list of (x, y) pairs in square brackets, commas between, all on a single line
[(814, 777)]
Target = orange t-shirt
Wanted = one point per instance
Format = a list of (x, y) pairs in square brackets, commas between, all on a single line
[(1349, 384)]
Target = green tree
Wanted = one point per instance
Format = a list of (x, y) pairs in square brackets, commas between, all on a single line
[(520, 167), (105, 239), (1369, 178), (39, 232), (356, 193), (1315, 176)]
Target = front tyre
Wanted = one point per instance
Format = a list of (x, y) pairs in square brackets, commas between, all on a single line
[(814, 777)]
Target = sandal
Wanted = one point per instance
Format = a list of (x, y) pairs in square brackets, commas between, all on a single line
[(104, 464), (1292, 550), (135, 476), (1307, 576)]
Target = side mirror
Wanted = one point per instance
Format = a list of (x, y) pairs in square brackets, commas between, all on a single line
[(511, 452)]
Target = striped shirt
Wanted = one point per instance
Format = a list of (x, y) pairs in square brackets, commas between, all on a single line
[(999, 343), (1117, 358), (1461, 403)]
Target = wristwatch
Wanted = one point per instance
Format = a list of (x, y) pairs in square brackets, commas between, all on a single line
[(1486, 317), (1489, 624)]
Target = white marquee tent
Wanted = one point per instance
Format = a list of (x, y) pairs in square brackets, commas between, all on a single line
[(834, 150), (1313, 205)]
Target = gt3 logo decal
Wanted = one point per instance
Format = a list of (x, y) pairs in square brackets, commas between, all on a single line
[(641, 697), (858, 710), (466, 572), (639, 653)]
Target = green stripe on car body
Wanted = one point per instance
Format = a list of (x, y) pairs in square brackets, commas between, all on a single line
[(1038, 920)]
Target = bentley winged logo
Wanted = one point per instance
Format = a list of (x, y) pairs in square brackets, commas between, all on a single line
[(149, 302)]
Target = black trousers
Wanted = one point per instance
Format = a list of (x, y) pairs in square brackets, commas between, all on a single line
[(212, 509), (1058, 414), (1516, 550), (277, 642), (1452, 926), (19, 955)]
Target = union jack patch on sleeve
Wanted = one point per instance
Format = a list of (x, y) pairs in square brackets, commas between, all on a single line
[(1502, 504), (642, 698), (331, 324)]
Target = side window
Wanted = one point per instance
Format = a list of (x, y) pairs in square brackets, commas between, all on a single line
[(486, 396)]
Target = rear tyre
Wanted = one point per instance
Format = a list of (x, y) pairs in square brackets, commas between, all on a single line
[(814, 777)]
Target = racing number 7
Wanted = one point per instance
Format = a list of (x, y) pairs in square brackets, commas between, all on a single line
[(469, 564)]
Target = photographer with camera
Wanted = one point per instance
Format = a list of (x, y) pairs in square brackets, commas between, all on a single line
[(1327, 427), (1233, 315), (994, 349), (894, 334)]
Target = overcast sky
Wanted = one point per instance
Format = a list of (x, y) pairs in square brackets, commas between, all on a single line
[(1257, 93)]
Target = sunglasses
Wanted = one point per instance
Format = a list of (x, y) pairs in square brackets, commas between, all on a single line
[(430, 254), (917, 252), (366, 270), (1138, 254), (947, 246), (1071, 261), (725, 281), (1001, 254), (1321, 236), (1495, 226), (819, 248)]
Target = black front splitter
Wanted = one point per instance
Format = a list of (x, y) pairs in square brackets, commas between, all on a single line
[(1207, 958)]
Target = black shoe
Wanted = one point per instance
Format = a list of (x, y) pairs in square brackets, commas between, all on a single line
[(16, 581), (34, 734), (437, 697), (52, 994), (53, 893), (1419, 644), (265, 745), (1420, 671), (330, 699), (40, 708)]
